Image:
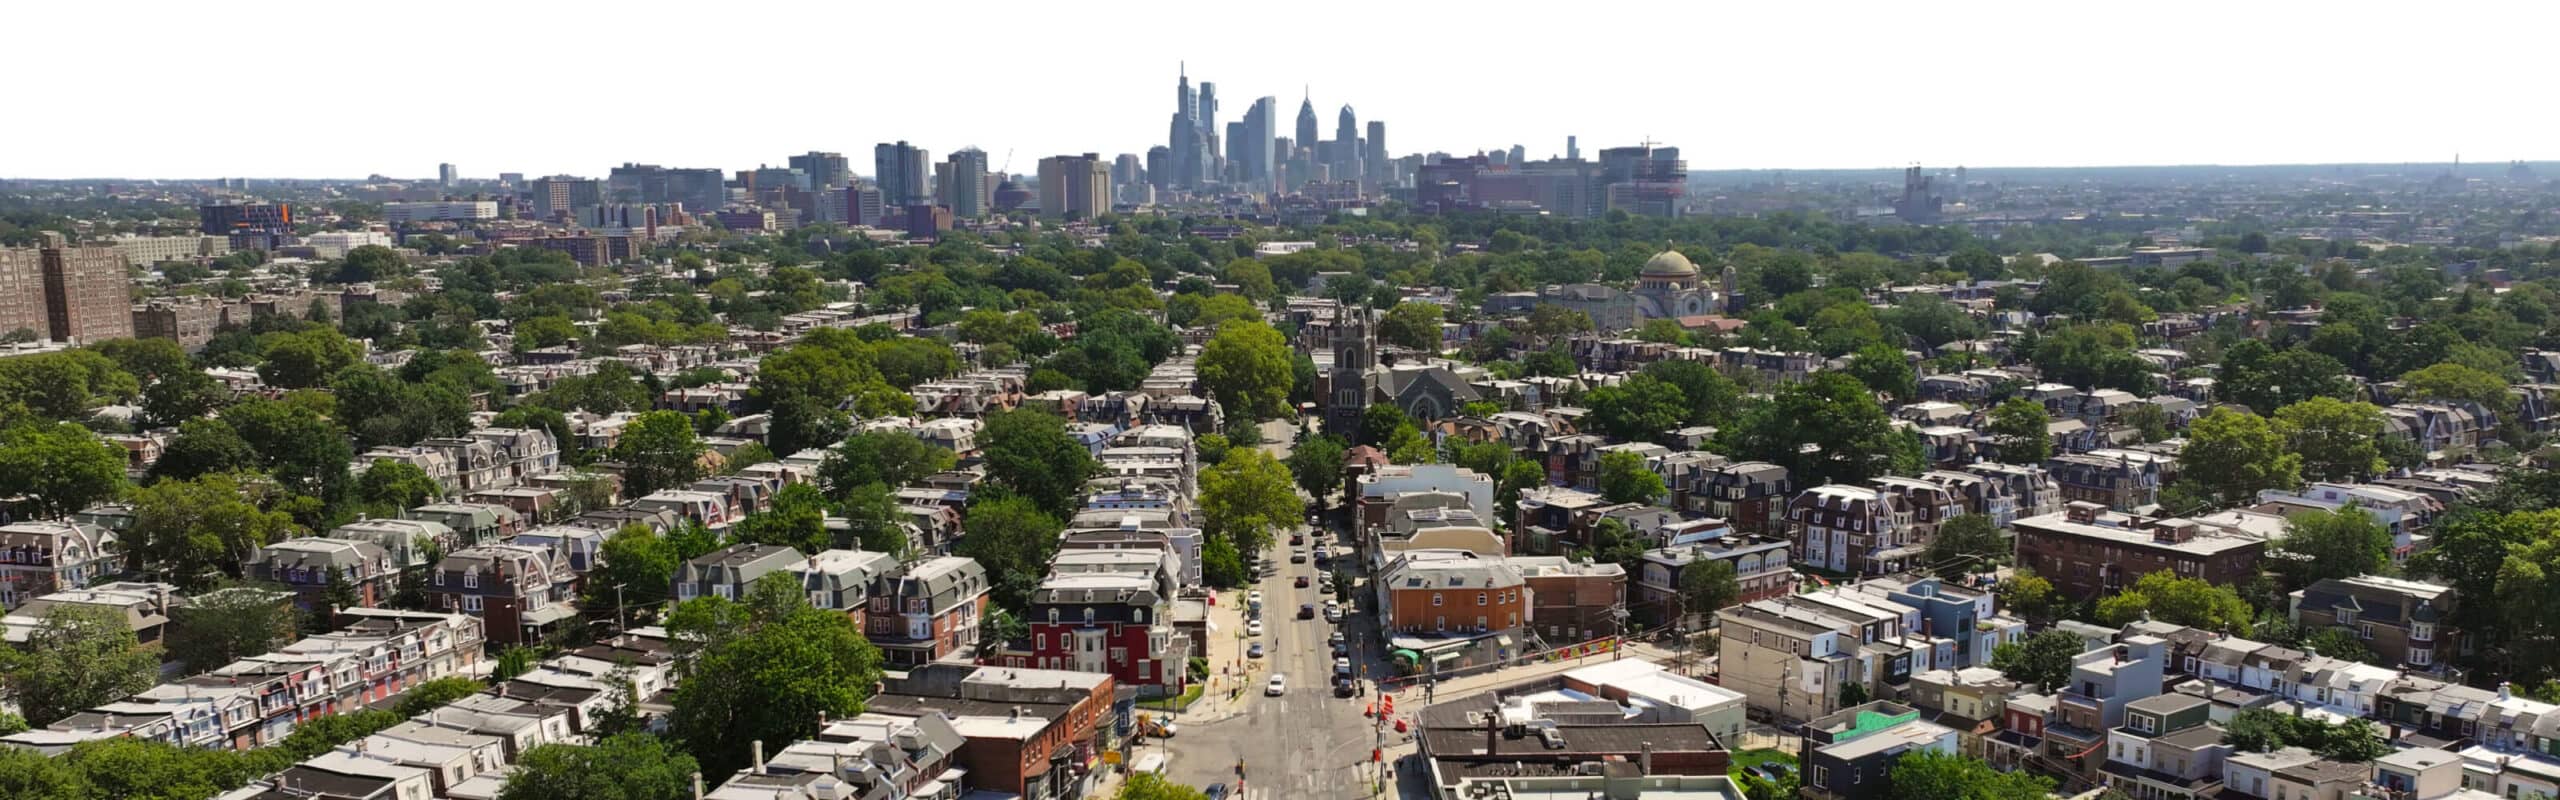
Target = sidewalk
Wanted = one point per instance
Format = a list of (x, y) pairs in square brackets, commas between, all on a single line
[(1230, 672), (1413, 696)]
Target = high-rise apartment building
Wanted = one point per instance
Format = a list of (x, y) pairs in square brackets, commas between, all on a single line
[(562, 195), (825, 170), (1645, 180), (447, 175), (904, 172), (67, 293), (1076, 187), (964, 184)]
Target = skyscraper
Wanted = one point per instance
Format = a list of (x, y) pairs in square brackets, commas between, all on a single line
[(904, 172), (1209, 138), (1307, 124), (964, 183), (825, 170), (1261, 151), (1381, 170), (1076, 187), (1186, 136), (1572, 149), (1346, 147), (446, 175)]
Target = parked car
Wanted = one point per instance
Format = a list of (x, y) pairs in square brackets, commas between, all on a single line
[(1333, 615), (1297, 556), (1278, 686), (1253, 628), (1254, 651), (1296, 539), (1215, 791)]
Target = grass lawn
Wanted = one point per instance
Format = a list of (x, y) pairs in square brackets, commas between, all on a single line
[(1746, 759)]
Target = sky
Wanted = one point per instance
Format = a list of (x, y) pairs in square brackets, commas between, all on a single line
[(291, 88)]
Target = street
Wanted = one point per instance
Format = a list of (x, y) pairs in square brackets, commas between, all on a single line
[(1307, 742)]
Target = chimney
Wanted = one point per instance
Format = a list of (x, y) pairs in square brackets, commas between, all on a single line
[(1644, 757), (2506, 691), (755, 757)]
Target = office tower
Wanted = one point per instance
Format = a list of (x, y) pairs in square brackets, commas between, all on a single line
[(1127, 169), (446, 175), (1208, 119), (1519, 154), (1572, 149), (904, 172), (964, 183), (1374, 151), (769, 178), (74, 294), (699, 189), (561, 194), (1075, 187), (825, 170), (1190, 141), (1346, 147), (1261, 131), (1307, 123), (1160, 167), (1645, 180), (865, 205)]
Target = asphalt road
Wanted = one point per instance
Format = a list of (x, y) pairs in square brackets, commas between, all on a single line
[(1306, 743)]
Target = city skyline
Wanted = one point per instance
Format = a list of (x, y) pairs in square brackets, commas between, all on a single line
[(1736, 88)]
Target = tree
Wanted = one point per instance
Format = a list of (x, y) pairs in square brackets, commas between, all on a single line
[(1221, 565), (895, 458), (658, 450), (1246, 498), (1965, 544), (2337, 643), (1211, 447), (2020, 430), (763, 669), (2148, 420), (436, 694), (637, 561), (2231, 455), (2260, 730), (306, 358), (2256, 376), (2096, 354), (1411, 324), (1151, 786), (1624, 478), (2322, 544), (395, 485), (2030, 595), (295, 443), (2043, 659), (2450, 381), (1708, 586), (2338, 440), (371, 262), (1712, 397), (1853, 439), (226, 625), (61, 467), (189, 532), (1408, 446), (1027, 451), (1379, 421), (1247, 367), (1885, 369), (1317, 465), (204, 446), (1640, 409), (1853, 693), (82, 656), (623, 766), (181, 396), (1013, 538), (797, 519), (1925, 774), (2165, 597), (513, 661)]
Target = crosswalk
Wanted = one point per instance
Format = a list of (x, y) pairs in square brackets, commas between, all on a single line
[(1292, 787)]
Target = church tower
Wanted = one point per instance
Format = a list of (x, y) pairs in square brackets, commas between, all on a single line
[(1355, 351)]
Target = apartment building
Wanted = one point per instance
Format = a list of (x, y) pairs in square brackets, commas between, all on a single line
[(2088, 551), (520, 592), (40, 558), (1790, 658), (1761, 569), (2405, 622), (928, 610), (1854, 529), (1849, 754), (313, 567)]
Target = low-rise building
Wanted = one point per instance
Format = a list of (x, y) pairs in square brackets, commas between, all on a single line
[(316, 568), (40, 558), (2087, 551), (929, 610), (520, 592), (1849, 754)]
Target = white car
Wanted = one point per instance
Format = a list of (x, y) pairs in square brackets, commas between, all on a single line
[(1253, 629), (1253, 598), (1278, 686)]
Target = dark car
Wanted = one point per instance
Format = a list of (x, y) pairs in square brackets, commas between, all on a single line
[(1306, 611), (1296, 539), (1215, 791), (1297, 556), (1302, 581)]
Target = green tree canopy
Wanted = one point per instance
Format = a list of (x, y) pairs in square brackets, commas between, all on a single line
[(1641, 409), (1624, 478), (1413, 325), (1925, 774), (1853, 440), (2338, 440), (2043, 659), (1028, 452), (1247, 498), (1965, 544), (763, 669), (2165, 597), (1317, 465), (1013, 538), (61, 467), (2021, 430), (624, 766), (192, 532), (2232, 454), (81, 656), (1247, 367), (2322, 544), (658, 450)]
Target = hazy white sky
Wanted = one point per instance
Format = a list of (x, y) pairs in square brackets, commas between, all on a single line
[(291, 88)]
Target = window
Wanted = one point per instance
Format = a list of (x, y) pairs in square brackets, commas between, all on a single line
[(1480, 598), (471, 580), (1821, 776), (2365, 630), (471, 603), (1053, 616), (1138, 615), (1088, 615), (1435, 599), (818, 600), (439, 577), (2421, 656)]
